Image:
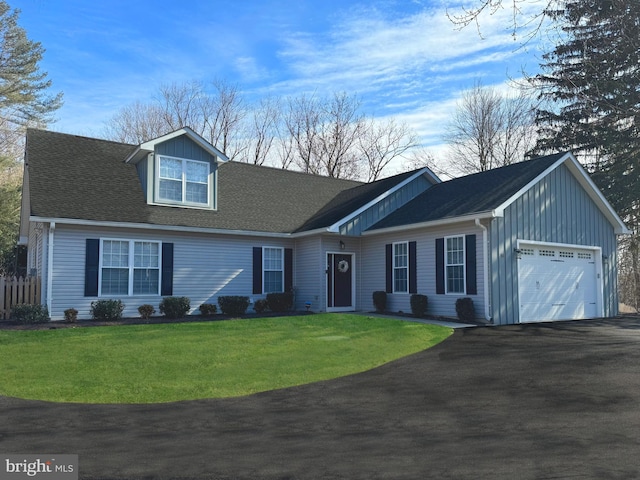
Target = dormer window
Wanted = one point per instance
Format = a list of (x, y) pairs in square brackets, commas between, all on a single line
[(182, 181)]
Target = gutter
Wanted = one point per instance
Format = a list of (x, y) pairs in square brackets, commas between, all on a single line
[(52, 229), (485, 271)]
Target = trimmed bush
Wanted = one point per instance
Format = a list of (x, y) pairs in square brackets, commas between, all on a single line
[(233, 306), (175, 307), (380, 301), (29, 314), (280, 302), (107, 309), (464, 309), (146, 311), (261, 305), (208, 309), (419, 305), (71, 315)]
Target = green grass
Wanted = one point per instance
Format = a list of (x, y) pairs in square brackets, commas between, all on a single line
[(182, 361)]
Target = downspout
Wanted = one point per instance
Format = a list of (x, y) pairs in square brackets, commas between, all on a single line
[(485, 271), (52, 228)]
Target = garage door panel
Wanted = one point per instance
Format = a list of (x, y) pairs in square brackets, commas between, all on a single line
[(556, 283)]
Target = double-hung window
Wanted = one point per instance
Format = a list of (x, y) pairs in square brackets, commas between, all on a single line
[(183, 181), (401, 267), (454, 264), (129, 267), (273, 269)]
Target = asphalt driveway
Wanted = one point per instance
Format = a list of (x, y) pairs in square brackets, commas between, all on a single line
[(549, 401)]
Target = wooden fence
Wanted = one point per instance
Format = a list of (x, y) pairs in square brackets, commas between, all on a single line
[(15, 291)]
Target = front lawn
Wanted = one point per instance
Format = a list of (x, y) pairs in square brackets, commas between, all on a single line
[(182, 361)]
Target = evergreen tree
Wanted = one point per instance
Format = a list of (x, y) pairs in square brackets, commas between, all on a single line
[(593, 79), (23, 86)]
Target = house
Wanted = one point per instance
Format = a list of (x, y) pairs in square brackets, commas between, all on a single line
[(527, 242)]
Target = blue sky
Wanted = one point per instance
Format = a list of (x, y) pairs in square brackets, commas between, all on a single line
[(402, 58)]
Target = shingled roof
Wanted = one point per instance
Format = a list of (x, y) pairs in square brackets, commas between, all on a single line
[(74, 177), (472, 194)]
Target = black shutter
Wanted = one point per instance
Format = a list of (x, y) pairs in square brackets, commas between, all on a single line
[(439, 265), (166, 289), (288, 269), (470, 264), (257, 270), (91, 266), (389, 267), (413, 275)]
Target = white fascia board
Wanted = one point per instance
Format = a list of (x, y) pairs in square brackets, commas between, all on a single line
[(149, 146), (336, 226), (166, 228), (435, 223), (585, 181)]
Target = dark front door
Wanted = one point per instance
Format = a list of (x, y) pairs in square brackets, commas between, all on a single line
[(340, 281)]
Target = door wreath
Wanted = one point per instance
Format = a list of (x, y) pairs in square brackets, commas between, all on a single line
[(343, 266)]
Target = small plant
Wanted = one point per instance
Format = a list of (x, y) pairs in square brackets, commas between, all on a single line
[(71, 315), (464, 309), (175, 307), (233, 306), (146, 311), (29, 314), (280, 302), (107, 310), (208, 309), (261, 305), (419, 305), (380, 301)]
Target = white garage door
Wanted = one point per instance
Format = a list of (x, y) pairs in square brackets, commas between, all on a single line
[(557, 283)]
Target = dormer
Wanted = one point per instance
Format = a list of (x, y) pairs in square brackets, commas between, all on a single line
[(179, 169)]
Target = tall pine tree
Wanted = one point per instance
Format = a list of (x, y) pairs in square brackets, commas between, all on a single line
[(592, 79)]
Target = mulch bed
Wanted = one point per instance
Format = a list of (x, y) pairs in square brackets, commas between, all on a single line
[(12, 325)]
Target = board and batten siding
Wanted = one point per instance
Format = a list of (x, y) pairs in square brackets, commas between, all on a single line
[(557, 210), (384, 207), (205, 267), (373, 269)]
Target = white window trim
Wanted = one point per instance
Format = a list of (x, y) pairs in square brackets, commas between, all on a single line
[(130, 267), (264, 270), (184, 161), (394, 267), (464, 266)]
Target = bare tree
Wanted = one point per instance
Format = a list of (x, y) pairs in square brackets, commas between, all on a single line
[(216, 116), (262, 130), (137, 123), (302, 121), (490, 130), (381, 142)]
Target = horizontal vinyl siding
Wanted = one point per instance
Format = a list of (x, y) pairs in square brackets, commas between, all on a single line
[(373, 270), (309, 273), (205, 267), (557, 210)]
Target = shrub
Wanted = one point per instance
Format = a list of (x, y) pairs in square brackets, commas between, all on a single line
[(71, 315), (175, 307), (280, 302), (419, 305), (380, 301), (107, 309), (146, 311), (465, 310), (233, 306), (208, 309), (28, 314), (261, 305)]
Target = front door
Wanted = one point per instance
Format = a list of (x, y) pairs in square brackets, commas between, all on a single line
[(340, 282)]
